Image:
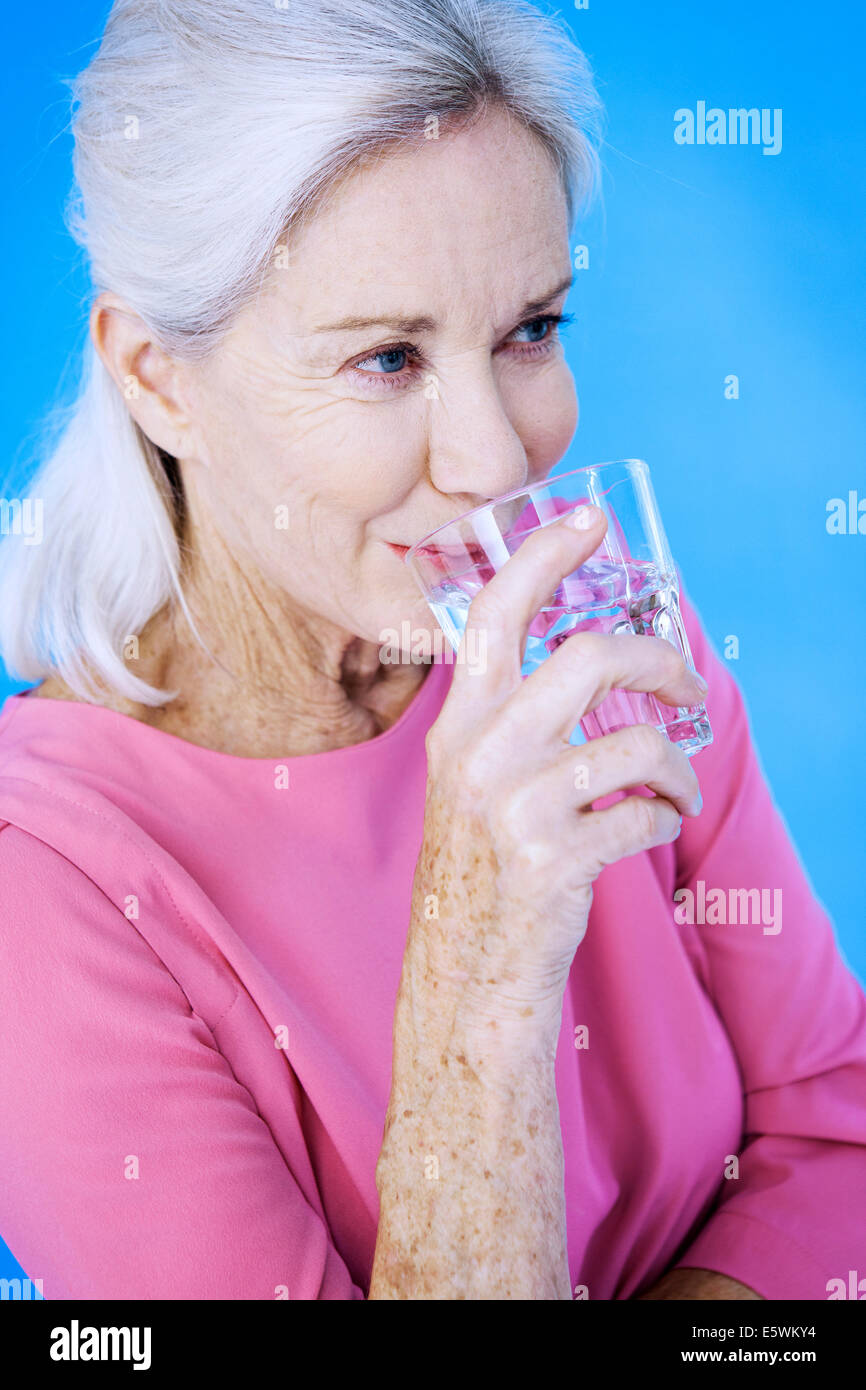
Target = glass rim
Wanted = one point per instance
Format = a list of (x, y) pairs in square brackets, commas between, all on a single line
[(527, 490)]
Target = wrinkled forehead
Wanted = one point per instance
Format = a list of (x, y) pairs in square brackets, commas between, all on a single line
[(451, 234)]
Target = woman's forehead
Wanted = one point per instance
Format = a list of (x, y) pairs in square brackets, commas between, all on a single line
[(378, 260)]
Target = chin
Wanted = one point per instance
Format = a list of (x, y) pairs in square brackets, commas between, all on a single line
[(407, 631)]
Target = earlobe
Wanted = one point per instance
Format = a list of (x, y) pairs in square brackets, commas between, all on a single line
[(143, 373)]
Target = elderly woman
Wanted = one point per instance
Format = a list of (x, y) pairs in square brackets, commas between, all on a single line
[(321, 977)]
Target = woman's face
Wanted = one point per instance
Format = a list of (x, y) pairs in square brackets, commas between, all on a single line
[(327, 441)]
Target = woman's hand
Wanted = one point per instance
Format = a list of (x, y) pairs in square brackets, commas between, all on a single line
[(503, 885), (511, 845)]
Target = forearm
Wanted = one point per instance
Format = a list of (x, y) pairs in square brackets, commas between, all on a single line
[(699, 1284), (470, 1176)]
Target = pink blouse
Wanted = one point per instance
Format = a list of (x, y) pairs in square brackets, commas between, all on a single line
[(199, 960)]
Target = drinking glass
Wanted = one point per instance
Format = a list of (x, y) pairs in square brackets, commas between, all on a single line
[(628, 585)]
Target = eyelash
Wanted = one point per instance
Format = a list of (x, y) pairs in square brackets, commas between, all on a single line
[(413, 352)]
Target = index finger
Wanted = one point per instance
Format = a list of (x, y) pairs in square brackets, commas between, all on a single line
[(500, 614)]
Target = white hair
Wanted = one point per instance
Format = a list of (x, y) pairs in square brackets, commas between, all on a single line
[(205, 132)]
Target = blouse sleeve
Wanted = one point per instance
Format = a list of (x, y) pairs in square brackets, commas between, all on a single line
[(794, 1219), (134, 1165)]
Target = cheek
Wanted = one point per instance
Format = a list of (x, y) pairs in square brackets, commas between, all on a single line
[(546, 420), (360, 458), (376, 459), (300, 444)]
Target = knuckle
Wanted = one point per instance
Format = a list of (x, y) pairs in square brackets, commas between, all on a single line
[(477, 769), (489, 608), (583, 647), (671, 660), (470, 778), (532, 857), (514, 815), (644, 818), (648, 743)]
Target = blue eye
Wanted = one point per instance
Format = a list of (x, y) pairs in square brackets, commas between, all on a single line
[(394, 359), (392, 362), (544, 326), (392, 365), (388, 357)]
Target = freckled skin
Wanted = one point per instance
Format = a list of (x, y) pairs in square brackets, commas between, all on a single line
[(465, 229), (511, 851), (481, 992)]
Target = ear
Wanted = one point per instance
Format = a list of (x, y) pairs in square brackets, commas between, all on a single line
[(151, 383)]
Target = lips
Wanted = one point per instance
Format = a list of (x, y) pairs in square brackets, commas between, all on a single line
[(441, 556)]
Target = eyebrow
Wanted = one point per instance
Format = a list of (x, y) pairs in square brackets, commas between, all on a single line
[(423, 323)]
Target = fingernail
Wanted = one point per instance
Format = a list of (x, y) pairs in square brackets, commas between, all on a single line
[(582, 518), (701, 683)]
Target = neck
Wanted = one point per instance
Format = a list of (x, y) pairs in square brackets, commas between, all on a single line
[(281, 681)]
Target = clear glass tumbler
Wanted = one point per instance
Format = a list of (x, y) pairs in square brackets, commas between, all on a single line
[(628, 585)]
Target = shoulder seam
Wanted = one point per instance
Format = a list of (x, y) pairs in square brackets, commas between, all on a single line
[(194, 1013), (80, 805)]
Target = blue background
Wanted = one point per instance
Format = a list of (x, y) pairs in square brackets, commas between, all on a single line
[(704, 261)]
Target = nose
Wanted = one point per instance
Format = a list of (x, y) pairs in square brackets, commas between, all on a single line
[(474, 449)]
